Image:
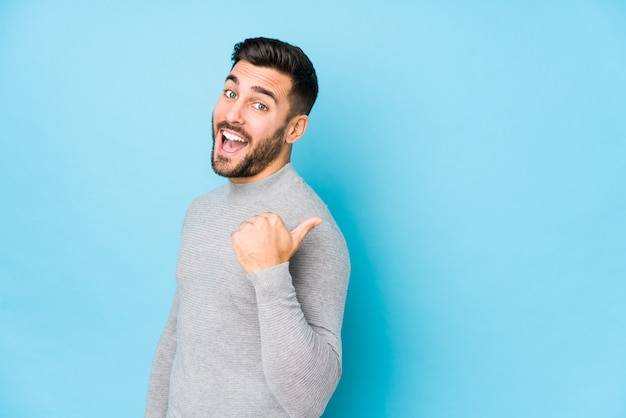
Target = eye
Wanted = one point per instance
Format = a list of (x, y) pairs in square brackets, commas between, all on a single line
[(260, 106), (230, 94)]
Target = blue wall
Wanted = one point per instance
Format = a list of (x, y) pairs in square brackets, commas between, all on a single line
[(474, 155)]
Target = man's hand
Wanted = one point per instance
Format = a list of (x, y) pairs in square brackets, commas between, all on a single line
[(264, 241)]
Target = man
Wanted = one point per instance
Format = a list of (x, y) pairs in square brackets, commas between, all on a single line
[(254, 329)]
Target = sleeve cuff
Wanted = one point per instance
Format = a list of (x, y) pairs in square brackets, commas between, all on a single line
[(272, 283)]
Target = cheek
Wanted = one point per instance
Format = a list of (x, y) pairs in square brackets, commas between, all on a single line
[(218, 112), (221, 108)]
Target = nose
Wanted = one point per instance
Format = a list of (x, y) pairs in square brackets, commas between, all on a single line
[(234, 113)]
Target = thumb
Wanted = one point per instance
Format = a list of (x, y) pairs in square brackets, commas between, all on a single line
[(301, 231)]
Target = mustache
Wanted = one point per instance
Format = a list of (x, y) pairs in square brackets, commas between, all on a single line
[(225, 125)]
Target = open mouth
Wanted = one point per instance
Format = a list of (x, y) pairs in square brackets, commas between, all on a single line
[(232, 143)]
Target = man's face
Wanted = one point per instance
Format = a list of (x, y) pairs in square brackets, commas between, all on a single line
[(250, 123)]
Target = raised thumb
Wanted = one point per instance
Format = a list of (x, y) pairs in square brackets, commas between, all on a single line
[(300, 231)]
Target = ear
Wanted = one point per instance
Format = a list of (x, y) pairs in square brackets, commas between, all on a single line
[(297, 127)]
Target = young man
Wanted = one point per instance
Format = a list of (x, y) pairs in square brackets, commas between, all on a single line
[(254, 329)]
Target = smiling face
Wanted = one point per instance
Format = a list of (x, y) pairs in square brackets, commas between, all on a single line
[(251, 134)]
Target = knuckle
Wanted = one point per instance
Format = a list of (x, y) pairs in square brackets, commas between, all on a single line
[(274, 218)]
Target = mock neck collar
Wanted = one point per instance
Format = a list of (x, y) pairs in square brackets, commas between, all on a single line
[(260, 188)]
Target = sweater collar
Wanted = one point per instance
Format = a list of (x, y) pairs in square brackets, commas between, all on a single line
[(260, 188)]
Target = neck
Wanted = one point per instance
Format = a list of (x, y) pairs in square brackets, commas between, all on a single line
[(283, 158)]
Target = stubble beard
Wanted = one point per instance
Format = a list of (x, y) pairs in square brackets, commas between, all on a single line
[(260, 154)]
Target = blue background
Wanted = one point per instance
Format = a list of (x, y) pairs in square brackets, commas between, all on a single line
[(474, 154)]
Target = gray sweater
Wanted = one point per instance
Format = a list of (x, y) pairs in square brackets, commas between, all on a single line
[(266, 344)]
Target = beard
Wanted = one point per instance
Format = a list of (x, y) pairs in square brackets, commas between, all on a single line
[(260, 153)]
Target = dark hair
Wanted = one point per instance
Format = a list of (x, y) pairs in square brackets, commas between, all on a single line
[(287, 59)]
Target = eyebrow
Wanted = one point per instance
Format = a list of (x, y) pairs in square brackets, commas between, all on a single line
[(258, 89)]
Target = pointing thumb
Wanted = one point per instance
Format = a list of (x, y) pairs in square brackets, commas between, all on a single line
[(301, 231)]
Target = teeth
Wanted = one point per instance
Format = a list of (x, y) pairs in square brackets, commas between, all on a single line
[(233, 137)]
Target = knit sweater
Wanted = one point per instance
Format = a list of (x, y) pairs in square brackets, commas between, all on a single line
[(266, 344)]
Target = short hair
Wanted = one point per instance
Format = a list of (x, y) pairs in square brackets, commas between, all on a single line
[(287, 59)]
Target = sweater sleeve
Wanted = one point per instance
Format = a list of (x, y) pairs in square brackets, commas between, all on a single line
[(300, 308), (158, 390)]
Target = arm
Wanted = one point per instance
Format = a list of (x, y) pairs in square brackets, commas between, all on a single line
[(300, 305), (158, 390)]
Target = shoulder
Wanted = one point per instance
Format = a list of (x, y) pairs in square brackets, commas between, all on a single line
[(210, 196), (323, 258), (300, 201), (201, 208), (304, 202), (207, 199)]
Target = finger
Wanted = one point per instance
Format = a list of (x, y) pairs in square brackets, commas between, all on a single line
[(255, 220), (271, 219), (301, 231), (265, 216)]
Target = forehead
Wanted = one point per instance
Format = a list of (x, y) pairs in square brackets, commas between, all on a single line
[(249, 76)]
